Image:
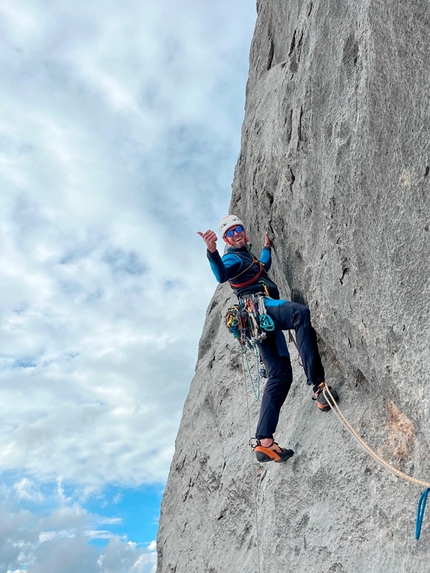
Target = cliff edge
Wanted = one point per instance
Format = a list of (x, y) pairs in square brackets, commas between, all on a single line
[(334, 163)]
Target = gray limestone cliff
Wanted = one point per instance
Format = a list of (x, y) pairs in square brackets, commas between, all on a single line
[(334, 164)]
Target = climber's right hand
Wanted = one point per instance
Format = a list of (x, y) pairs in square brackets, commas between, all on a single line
[(210, 239)]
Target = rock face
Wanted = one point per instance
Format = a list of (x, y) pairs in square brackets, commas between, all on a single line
[(335, 164)]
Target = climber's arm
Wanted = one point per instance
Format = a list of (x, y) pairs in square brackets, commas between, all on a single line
[(224, 268), (266, 253)]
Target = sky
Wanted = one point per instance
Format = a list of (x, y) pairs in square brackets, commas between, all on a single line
[(119, 132)]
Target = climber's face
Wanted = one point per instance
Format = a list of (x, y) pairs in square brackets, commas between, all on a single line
[(236, 237)]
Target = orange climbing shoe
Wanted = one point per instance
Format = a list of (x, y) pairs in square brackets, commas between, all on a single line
[(323, 404), (273, 453)]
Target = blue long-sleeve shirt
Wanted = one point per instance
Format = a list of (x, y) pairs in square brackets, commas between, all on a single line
[(240, 267)]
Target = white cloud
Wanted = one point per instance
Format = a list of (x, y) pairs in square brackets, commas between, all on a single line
[(22, 21), (25, 489), (50, 535), (113, 156)]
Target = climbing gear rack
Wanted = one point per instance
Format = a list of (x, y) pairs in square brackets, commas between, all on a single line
[(248, 320), (249, 323)]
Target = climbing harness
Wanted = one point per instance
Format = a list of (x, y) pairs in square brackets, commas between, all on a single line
[(422, 502), (249, 323), (258, 274)]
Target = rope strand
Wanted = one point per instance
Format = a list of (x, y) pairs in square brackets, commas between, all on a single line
[(420, 512), (255, 385), (363, 444), (254, 482)]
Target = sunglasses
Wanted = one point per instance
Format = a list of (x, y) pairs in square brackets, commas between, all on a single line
[(231, 232)]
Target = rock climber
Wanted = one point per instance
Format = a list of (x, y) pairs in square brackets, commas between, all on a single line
[(247, 275)]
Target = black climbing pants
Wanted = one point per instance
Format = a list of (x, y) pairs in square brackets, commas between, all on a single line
[(273, 350)]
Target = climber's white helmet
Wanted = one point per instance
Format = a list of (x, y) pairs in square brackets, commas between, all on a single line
[(228, 222)]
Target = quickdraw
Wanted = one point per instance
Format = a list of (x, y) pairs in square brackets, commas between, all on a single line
[(249, 322)]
